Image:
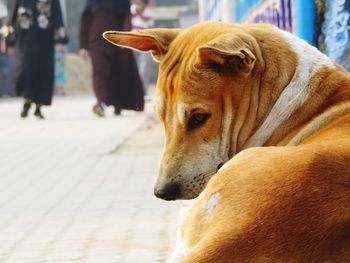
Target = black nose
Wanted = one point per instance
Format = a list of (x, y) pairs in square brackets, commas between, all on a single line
[(169, 192)]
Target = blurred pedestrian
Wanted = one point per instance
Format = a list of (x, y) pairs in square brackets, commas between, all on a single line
[(61, 74), (116, 79), (142, 18), (4, 63), (61, 78), (38, 26)]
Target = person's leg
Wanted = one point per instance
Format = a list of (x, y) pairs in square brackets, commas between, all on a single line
[(26, 106), (117, 111), (37, 112), (100, 77), (99, 109)]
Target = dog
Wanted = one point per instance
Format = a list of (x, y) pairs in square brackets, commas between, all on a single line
[(265, 117)]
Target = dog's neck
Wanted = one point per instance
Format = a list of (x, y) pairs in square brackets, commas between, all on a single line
[(291, 98)]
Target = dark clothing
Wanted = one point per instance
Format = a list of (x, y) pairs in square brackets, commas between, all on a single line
[(38, 25), (117, 7), (115, 75)]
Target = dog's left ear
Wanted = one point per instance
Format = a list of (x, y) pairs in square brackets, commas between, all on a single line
[(155, 40), (227, 50)]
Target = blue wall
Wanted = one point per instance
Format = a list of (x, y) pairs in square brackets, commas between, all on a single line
[(296, 16), (335, 32), (306, 20), (299, 17), (243, 7)]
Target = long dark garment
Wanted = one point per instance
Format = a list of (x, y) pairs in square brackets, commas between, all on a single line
[(38, 25), (115, 75)]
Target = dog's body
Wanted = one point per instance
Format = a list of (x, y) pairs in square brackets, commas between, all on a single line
[(224, 91), (273, 209)]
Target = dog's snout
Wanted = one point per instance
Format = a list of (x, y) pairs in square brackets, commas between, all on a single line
[(169, 192)]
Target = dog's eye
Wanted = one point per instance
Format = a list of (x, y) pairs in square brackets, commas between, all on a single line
[(198, 119)]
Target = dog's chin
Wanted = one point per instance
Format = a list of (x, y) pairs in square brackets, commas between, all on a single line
[(185, 196), (194, 192), (182, 196), (190, 194), (188, 197)]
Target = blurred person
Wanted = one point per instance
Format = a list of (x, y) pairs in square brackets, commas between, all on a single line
[(38, 26), (116, 80), (142, 18), (61, 75), (4, 63), (61, 79)]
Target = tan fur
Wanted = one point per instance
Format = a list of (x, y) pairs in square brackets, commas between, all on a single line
[(289, 203), (276, 209)]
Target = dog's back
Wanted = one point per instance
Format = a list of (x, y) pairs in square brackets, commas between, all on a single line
[(263, 208)]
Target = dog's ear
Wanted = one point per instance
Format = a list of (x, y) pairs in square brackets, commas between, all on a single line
[(155, 40), (227, 50)]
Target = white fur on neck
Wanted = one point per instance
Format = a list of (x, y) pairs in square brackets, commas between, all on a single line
[(180, 248), (310, 60)]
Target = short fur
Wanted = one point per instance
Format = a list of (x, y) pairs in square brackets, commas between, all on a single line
[(279, 111)]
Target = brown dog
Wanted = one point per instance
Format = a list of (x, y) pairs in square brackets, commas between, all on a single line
[(225, 90)]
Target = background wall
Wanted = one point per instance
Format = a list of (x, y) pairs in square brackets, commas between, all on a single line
[(334, 38), (322, 23)]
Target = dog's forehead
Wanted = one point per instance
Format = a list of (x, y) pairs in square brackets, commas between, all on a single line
[(184, 93)]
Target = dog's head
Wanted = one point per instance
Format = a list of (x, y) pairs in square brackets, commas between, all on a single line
[(204, 72)]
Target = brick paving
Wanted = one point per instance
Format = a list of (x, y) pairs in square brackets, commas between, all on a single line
[(76, 188)]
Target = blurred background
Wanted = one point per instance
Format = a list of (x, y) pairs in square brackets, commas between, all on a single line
[(323, 23), (78, 188)]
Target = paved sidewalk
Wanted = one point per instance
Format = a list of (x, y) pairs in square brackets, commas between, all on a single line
[(75, 188)]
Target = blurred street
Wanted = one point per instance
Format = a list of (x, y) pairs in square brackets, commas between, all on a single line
[(92, 200)]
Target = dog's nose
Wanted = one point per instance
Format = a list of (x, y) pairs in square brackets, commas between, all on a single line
[(169, 192)]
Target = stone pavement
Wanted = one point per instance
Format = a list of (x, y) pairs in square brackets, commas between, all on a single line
[(75, 188)]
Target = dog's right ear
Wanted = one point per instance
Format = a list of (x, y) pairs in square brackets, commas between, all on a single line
[(155, 40), (227, 50)]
